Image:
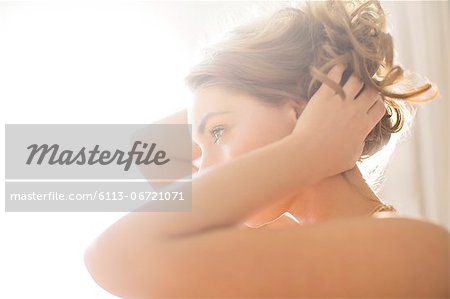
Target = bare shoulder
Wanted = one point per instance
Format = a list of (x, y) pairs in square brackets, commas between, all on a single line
[(384, 257), (423, 234), (415, 224)]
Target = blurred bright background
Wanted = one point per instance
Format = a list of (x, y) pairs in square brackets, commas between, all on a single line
[(123, 62)]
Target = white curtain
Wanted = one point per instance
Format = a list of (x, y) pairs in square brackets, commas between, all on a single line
[(417, 176)]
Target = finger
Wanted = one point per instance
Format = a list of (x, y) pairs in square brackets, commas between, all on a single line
[(376, 113), (196, 164), (335, 74), (196, 151), (367, 98), (194, 169), (352, 87)]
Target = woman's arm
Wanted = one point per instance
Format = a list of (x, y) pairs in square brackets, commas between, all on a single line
[(227, 194)]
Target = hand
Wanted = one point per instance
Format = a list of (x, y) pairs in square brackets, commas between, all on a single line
[(180, 117), (196, 154), (333, 129)]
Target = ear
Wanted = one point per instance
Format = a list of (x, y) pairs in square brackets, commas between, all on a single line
[(297, 105)]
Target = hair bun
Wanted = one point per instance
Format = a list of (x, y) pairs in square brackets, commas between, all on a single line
[(354, 33), (289, 53)]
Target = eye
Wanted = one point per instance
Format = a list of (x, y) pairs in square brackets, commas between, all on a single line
[(217, 132)]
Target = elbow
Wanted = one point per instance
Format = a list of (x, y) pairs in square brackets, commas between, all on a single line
[(89, 262), (96, 269), (101, 270), (123, 270)]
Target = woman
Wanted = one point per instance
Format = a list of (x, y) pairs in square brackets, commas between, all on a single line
[(282, 111)]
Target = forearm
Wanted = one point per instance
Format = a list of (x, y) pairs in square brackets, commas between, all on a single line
[(232, 192), (227, 194)]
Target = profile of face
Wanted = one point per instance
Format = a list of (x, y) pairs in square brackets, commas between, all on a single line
[(227, 124)]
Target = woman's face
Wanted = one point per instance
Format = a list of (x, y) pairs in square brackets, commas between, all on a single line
[(226, 124)]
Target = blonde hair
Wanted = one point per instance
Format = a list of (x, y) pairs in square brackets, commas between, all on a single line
[(287, 56)]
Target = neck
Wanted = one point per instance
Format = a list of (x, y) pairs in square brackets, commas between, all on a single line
[(340, 196)]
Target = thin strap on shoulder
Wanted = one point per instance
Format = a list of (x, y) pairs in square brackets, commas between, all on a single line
[(383, 208)]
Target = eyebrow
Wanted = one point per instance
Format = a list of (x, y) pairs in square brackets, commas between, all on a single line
[(205, 119)]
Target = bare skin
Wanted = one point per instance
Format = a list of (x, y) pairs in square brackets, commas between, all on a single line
[(333, 197), (203, 253)]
